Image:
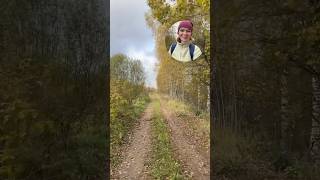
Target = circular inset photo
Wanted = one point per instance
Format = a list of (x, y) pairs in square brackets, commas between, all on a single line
[(181, 41)]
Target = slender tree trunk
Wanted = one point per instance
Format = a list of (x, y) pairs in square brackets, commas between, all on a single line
[(284, 112), (235, 101), (208, 99), (222, 118), (315, 128)]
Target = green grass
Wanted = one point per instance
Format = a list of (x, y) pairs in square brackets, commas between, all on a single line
[(163, 165)]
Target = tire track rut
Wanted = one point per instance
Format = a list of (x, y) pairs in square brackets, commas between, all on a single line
[(137, 152), (195, 164)]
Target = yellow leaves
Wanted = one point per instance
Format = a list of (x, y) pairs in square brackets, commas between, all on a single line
[(160, 10), (175, 78), (116, 99), (115, 105), (204, 4)]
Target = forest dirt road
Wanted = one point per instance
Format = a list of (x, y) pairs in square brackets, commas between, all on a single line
[(195, 162), (137, 152)]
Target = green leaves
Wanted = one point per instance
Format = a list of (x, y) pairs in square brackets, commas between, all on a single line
[(128, 98)]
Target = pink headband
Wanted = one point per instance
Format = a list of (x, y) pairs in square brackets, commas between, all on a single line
[(185, 24)]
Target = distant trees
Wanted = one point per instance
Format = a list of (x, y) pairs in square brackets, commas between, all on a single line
[(127, 76)]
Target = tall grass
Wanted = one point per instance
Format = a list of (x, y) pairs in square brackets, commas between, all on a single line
[(198, 122), (236, 157), (241, 158)]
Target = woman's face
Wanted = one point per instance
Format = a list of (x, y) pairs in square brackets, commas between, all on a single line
[(184, 34)]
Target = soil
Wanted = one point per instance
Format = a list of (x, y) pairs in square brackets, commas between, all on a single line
[(194, 159), (136, 154), (188, 150)]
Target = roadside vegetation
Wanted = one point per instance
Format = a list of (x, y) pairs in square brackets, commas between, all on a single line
[(163, 164), (127, 101), (197, 121)]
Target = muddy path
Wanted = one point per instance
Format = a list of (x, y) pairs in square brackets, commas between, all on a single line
[(136, 153), (195, 161)]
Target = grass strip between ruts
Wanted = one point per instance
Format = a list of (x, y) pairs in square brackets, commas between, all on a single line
[(163, 164)]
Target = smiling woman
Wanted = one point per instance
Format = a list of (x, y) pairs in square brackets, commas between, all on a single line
[(184, 49)]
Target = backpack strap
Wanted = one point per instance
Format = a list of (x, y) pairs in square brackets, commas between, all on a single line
[(191, 50), (172, 47)]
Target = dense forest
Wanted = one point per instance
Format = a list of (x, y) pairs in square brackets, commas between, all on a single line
[(265, 89), (54, 86), (188, 82), (262, 79)]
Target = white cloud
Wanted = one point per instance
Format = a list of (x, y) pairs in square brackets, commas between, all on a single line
[(127, 25), (130, 35)]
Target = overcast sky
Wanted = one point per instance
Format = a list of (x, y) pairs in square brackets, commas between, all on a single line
[(130, 35)]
